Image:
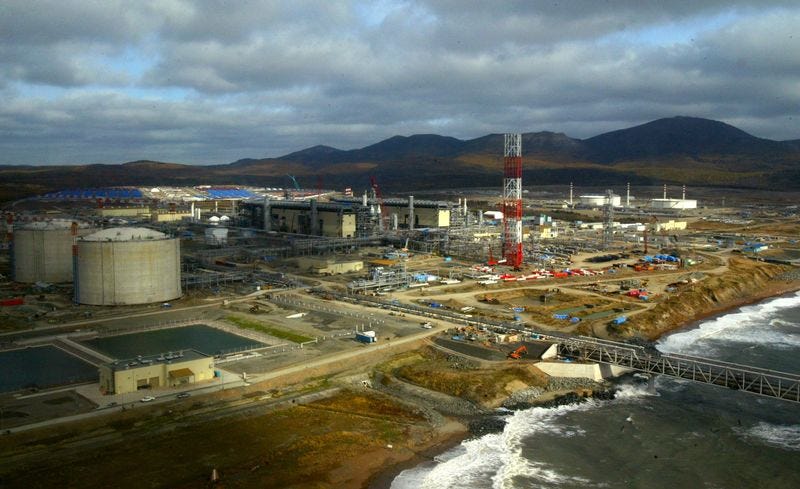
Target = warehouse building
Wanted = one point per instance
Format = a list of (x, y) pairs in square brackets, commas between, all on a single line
[(173, 369), (301, 217)]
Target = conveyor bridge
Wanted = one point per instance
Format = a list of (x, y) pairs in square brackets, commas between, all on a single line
[(745, 378)]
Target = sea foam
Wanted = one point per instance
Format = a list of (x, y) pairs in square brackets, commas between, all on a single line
[(744, 326), (494, 460), (786, 437)]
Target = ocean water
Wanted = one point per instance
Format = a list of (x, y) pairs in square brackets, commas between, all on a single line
[(673, 434)]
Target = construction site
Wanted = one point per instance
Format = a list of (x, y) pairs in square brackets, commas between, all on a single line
[(112, 297)]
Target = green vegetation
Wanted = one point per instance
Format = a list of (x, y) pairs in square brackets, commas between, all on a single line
[(263, 328)]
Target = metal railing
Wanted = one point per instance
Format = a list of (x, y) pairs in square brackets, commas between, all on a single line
[(754, 380)]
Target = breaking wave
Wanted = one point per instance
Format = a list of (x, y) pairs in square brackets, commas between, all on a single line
[(745, 326), (779, 436), (494, 460)]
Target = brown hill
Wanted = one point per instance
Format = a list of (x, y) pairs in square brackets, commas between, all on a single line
[(675, 150)]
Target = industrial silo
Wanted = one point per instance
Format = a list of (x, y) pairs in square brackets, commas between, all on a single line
[(42, 250), (119, 266)]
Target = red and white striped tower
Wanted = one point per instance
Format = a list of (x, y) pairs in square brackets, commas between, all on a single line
[(512, 200)]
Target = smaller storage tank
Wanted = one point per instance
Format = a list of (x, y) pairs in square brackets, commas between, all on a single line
[(673, 204), (118, 266), (599, 200), (42, 250)]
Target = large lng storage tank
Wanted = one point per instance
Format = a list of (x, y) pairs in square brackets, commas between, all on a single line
[(42, 251), (118, 266)]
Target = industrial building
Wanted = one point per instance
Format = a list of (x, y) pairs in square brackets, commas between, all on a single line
[(173, 369), (120, 266), (329, 266), (413, 214), (301, 217), (42, 251)]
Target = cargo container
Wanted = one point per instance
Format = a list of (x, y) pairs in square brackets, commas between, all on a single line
[(366, 337)]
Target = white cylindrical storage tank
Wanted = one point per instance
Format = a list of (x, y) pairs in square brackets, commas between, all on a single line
[(42, 251), (599, 200), (119, 266), (673, 204), (216, 236)]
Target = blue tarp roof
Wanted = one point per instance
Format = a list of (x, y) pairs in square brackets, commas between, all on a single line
[(95, 193), (229, 193)]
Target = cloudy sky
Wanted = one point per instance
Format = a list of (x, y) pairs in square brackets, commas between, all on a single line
[(108, 81)]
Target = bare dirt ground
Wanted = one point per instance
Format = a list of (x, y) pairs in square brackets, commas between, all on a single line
[(332, 442)]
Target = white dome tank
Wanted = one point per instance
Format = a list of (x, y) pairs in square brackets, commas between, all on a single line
[(119, 266)]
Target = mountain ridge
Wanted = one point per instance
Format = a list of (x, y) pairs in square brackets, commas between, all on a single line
[(679, 149)]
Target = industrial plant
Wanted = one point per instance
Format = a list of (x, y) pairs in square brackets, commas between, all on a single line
[(145, 294)]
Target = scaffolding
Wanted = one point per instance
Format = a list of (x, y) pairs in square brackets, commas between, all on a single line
[(512, 200)]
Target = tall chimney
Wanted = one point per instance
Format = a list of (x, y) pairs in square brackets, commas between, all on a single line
[(628, 196), (410, 212)]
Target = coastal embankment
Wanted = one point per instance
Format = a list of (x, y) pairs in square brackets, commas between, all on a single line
[(743, 282)]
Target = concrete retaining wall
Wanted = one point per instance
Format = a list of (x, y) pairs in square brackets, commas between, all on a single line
[(592, 371)]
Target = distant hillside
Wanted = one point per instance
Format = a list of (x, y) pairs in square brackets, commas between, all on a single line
[(674, 150), (677, 136)]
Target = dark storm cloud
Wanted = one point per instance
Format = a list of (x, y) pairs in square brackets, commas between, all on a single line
[(214, 81)]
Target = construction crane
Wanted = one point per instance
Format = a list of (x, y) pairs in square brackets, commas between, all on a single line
[(294, 182)]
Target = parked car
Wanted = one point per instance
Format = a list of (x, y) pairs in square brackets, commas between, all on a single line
[(147, 399)]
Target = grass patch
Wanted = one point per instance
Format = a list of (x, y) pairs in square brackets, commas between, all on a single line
[(478, 385), (263, 328)]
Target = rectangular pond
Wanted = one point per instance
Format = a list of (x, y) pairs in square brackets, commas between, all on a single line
[(205, 339), (41, 367)]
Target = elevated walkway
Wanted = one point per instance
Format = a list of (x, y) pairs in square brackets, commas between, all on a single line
[(754, 380)]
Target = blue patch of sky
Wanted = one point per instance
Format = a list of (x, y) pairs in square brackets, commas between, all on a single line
[(668, 33), (133, 61), (373, 13)]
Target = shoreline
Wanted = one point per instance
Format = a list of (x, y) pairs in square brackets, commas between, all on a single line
[(770, 293), (383, 478)]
